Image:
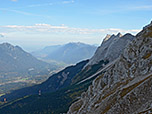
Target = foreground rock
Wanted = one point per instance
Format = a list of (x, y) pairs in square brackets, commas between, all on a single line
[(126, 87)]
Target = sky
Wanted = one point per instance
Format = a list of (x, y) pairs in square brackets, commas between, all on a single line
[(34, 24)]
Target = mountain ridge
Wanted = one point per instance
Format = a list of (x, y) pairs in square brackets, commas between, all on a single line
[(79, 83), (89, 100), (111, 48), (64, 53), (19, 67), (126, 85)]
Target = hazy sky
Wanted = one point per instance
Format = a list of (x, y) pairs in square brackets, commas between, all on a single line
[(38, 23)]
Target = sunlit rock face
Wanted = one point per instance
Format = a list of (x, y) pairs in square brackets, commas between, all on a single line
[(111, 48), (126, 87)]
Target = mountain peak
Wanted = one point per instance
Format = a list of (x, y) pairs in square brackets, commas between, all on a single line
[(125, 86), (149, 25), (146, 32), (127, 35), (107, 37), (119, 34), (111, 47), (72, 52), (74, 43), (6, 44)]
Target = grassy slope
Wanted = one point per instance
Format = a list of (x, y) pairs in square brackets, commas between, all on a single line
[(57, 102)]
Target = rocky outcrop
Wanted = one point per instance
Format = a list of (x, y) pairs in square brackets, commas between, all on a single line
[(111, 48), (126, 86)]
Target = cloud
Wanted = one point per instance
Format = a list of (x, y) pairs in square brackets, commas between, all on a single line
[(46, 34), (14, 0), (51, 3), (35, 5), (68, 2), (122, 9), (16, 11), (1, 35), (144, 7), (40, 5), (24, 13), (62, 29)]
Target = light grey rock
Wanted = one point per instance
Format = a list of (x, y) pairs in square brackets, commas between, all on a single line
[(126, 87), (111, 48)]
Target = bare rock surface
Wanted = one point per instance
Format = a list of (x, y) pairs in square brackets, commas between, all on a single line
[(111, 48), (126, 87)]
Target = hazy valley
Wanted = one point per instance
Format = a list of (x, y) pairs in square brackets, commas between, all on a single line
[(66, 86), (20, 69)]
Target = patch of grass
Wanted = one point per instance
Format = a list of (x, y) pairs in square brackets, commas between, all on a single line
[(77, 106), (147, 55), (109, 105), (128, 89), (149, 34), (88, 71), (146, 111), (50, 103), (2, 94)]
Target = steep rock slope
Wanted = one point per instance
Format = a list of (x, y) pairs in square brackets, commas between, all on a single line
[(126, 86), (111, 47)]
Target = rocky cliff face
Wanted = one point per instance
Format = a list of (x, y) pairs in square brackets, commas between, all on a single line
[(126, 86), (111, 48)]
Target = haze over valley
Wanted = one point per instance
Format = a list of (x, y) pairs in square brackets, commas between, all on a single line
[(75, 57)]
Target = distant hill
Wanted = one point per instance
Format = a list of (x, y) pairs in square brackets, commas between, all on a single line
[(42, 53), (15, 59), (70, 53), (17, 66)]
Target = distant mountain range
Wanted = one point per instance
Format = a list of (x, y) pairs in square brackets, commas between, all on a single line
[(15, 59), (71, 81), (42, 53), (117, 79), (70, 53), (17, 66)]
